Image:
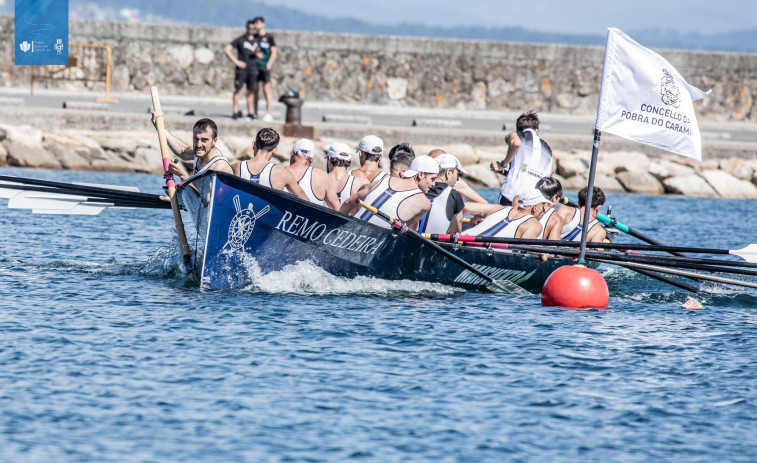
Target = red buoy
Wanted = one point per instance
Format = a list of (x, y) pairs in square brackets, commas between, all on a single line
[(575, 287)]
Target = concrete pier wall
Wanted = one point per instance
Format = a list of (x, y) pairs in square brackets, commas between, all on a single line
[(405, 71)]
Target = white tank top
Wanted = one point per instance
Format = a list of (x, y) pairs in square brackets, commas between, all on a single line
[(543, 221), (572, 227), (435, 220), (345, 193), (215, 159), (577, 234), (306, 183), (532, 162), (262, 178), (498, 224), (385, 200)]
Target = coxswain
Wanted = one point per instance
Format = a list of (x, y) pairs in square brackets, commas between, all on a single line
[(340, 184), (466, 191), (312, 179), (401, 197), (528, 158), (551, 221), (369, 150), (204, 152), (446, 214), (574, 218), (521, 221), (261, 170)]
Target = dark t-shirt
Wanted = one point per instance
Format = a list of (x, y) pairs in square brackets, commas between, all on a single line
[(455, 202), (265, 43), (245, 48)]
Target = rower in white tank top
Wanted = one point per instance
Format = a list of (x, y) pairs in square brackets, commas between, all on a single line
[(262, 178), (306, 183), (219, 158), (345, 192), (571, 231), (385, 200), (532, 162), (543, 221), (498, 224), (435, 220)]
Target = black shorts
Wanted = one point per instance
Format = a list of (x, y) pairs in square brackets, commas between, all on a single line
[(247, 76), (264, 75), (504, 201)]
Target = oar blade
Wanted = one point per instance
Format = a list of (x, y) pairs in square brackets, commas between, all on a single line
[(506, 287), (748, 253)]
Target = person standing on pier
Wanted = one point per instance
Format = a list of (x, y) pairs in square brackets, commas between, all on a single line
[(245, 70), (264, 62)]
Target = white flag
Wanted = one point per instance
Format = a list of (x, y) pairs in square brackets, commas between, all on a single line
[(643, 98)]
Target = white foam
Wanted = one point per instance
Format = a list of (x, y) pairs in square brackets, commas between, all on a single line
[(306, 278)]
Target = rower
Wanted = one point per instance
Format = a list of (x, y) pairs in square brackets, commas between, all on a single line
[(551, 221), (340, 183), (466, 191), (369, 150), (574, 224), (262, 171), (312, 180), (400, 157), (401, 197), (204, 152), (513, 222), (446, 214)]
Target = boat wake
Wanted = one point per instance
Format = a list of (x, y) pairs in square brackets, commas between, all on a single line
[(306, 278)]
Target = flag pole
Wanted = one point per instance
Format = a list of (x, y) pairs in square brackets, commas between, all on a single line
[(589, 195)]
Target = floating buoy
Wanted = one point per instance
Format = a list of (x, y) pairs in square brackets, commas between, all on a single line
[(575, 287)]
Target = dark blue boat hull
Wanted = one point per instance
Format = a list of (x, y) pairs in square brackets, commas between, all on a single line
[(237, 221)]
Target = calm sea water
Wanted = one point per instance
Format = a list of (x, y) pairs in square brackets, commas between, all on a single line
[(108, 353)]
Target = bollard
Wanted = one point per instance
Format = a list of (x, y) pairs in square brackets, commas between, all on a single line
[(293, 120)]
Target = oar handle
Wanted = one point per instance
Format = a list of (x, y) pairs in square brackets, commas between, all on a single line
[(159, 125)]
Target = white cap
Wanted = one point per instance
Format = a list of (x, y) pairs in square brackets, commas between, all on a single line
[(371, 144), (304, 147), (532, 198), (449, 161), (339, 151), (425, 164)]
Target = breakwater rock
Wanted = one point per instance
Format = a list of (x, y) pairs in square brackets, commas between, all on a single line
[(617, 171)]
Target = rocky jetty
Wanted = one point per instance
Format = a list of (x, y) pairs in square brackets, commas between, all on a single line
[(619, 171)]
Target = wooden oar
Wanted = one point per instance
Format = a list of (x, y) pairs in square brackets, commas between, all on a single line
[(10, 185), (684, 273), (748, 253), (504, 286), (669, 261), (159, 125)]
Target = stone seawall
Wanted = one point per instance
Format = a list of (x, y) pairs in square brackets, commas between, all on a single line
[(436, 73)]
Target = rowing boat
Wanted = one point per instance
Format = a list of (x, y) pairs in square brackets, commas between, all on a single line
[(236, 220)]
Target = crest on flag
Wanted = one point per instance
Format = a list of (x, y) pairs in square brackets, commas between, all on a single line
[(669, 90)]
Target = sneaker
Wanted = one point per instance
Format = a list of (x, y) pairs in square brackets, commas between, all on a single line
[(267, 117), (236, 115), (252, 117)]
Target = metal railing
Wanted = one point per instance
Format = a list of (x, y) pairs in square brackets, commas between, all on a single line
[(86, 63)]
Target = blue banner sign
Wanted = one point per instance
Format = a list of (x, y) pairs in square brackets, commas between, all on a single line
[(41, 32)]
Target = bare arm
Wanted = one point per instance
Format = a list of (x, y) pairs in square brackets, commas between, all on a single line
[(479, 208), (332, 199), (456, 224), (513, 144), (291, 184), (350, 206), (272, 58), (236, 168), (228, 50), (468, 193)]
